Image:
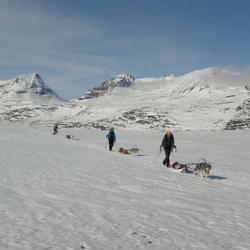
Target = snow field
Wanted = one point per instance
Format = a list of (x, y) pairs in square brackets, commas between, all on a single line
[(71, 194)]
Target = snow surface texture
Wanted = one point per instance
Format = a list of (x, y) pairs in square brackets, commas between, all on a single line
[(75, 194), (209, 99)]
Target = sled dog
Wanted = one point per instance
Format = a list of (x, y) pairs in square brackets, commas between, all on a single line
[(203, 169), (134, 151)]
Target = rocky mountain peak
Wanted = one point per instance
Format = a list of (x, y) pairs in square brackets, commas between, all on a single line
[(32, 83), (31, 86), (121, 80)]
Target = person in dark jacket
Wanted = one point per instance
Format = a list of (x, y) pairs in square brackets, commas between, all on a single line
[(112, 138), (55, 129), (168, 145)]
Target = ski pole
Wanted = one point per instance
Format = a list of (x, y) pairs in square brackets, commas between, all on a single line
[(116, 145), (106, 143), (158, 155)]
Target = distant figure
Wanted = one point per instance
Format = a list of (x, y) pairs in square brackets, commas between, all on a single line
[(168, 145), (71, 136), (55, 129), (111, 137)]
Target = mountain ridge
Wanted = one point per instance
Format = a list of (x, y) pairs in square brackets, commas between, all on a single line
[(199, 100)]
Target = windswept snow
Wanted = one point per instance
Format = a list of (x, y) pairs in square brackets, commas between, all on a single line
[(75, 194)]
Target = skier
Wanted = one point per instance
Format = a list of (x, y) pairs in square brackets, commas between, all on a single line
[(55, 129), (168, 145), (111, 137)]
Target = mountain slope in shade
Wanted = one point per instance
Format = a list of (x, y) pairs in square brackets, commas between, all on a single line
[(29, 88)]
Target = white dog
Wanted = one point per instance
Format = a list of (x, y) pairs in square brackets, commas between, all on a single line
[(203, 169), (134, 151)]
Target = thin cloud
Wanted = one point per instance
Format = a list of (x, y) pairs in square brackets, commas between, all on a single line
[(55, 46), (28, 33), (230, 76)]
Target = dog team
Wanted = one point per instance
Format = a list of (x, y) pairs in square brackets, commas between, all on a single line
[(203, 169)]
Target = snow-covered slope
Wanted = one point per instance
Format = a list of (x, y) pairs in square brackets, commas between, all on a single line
[(65, 194), (200, 100), (208, 99), (28, 99)]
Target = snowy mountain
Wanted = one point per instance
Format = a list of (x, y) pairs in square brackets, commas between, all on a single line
[(29, 87), (27, 99), (209, 99), (122, 80), (201, 100)]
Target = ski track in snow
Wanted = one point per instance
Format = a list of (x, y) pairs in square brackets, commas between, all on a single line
[(71, 194)]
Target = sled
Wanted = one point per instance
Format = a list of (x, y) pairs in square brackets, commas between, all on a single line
[(71, 136), (123, 151), (179, 168), (182, 170)]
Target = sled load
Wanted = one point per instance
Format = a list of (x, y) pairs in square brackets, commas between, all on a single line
[(71, 136), (123, 151), (182, 168), (202, 168), (132, 151)]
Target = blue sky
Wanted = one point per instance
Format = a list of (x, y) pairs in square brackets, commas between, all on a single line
[(75, 45)]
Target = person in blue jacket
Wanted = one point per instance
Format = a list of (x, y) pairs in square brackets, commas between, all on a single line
[(112, 138)]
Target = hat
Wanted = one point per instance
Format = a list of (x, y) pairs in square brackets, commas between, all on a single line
[(169, 133), (111, 129)]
